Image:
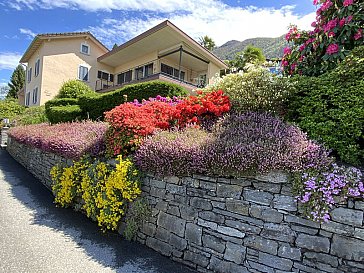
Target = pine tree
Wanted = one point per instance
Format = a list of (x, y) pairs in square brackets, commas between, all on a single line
[(17, 82)]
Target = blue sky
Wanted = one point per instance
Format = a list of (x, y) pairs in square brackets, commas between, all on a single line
[(116, 21)]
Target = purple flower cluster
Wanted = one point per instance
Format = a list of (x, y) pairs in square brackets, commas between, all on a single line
[(238, 144), (322, 190), (172, 101), (70, 140)]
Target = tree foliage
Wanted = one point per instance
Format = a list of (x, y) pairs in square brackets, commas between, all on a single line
[(17, 82), (74, 89), (337, 30), (251, 55), (207, 42)]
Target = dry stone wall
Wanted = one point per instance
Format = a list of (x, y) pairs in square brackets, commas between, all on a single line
[(241, 225)]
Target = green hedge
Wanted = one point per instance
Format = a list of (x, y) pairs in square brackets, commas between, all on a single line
[(95, 107), (57, 114), (330, 108), (49, 105)]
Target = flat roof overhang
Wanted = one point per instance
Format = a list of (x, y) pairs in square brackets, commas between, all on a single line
[(158, 39)]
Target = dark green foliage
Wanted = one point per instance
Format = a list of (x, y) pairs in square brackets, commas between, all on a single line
[(330, 108), (57, 114), (58, 102), (207, 42), (250, 55), (17, 82), (74, 89), (95, 106)]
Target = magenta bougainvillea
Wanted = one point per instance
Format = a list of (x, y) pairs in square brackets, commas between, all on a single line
[(337, 30)]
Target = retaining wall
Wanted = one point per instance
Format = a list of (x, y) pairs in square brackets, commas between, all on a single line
[(236, 225)]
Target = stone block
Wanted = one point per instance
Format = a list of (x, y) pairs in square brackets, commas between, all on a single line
[(287, 203), (244, 227), (159, 246), (359, 233), (156, 192), (306, 269), (193, 234), (207, 224), (266, 213), (322, 258), (347, 216), (274, 177), (162, 234), (174, 210), (230, 232), (301, 221), (237, 206), (311, 231), (278, 232), (205, 178), (172, 179), (338, 228), (148, 229), (213, 243), (261, 244), (258, 197), (234, 253), (219, 205), (359, 205), (188, 213), (162, 205), (259, 268), (172, 223), (175, 189), (348, 248), (177, 242), (212, 217), (275, 262), (157, 184), (220, 266), (227, 190), (209, 186), (201, 203), (244, 182), (224, 237), (314, 243), (196, 258), (286, 251), (269, 187)]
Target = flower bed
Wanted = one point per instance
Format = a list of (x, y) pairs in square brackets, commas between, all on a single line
[(70, 140)]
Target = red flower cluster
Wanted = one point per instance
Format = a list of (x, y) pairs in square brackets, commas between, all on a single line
[(131, 123)]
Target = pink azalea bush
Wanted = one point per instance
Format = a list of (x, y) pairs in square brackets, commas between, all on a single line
[(70, 140), (337, 30)]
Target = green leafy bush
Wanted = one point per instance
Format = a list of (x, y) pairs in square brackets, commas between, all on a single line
[(95, 106), (66, 113), (58, 102), (330, 108), (255, 90), (9, 108), (32, 115), (74, 89)]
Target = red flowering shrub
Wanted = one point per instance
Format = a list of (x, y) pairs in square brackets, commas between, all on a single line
[(131, 122)]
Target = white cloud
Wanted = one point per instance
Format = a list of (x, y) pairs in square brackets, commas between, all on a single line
[(9, 60), (30, 34), (219, 21)]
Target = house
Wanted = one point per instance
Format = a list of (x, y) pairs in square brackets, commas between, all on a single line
[(163, 52)]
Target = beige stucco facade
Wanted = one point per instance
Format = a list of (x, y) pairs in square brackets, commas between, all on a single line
[(60, 57)]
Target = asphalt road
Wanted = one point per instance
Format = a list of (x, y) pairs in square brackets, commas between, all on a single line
[(37, 237)]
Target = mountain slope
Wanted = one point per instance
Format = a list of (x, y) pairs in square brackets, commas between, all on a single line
[(272, 47)]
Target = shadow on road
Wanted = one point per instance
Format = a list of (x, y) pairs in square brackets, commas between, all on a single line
[(109, 249)]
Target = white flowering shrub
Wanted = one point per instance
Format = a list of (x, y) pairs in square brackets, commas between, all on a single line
[(254, 90)]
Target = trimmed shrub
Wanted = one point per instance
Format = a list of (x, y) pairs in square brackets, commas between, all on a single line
[(58, 114), (74, 89), (53, 116), (238, 145), (70, 140), (330, 108), (96, 106), (255, 90)]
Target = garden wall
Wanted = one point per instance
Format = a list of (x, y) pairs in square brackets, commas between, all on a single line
[(236, 225)]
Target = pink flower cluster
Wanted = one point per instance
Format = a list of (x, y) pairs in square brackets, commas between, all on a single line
[(348, 3), (332, 49)]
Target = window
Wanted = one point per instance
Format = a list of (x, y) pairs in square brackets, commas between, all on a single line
[(124, 77), (139, 73), (83, 73), (36, 68), (172, 71), (27, 99), (105, 76), (35, 95), (29, 77), (148, 70), (85, 49), (143, 71)]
